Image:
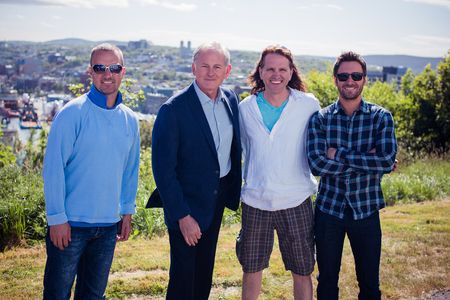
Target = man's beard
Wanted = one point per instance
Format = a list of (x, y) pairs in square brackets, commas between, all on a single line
[(350, 95)]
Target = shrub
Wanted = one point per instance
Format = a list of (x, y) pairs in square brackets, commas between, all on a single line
[(22, 212), (423, 180)]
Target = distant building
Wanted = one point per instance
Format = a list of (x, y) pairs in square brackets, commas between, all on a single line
[(375, 75), (58, 97), (10, 100), (168, 92), (29, 66), (394, 74), (48, 83), (56, 58), (153, 102), (26, 84), (184, 68), (185, 52), (85, 79), (141, 44)]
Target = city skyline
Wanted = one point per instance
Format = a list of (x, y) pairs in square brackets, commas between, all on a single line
[(315, 27)]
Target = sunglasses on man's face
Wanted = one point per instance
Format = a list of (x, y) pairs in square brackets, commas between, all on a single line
[(114, 68), (356, 76)]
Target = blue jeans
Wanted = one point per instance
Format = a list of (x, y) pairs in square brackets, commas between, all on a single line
[(365, 241), (89, 256)]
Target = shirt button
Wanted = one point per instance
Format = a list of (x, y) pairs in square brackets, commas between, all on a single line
[(215, 192), (217, 171)]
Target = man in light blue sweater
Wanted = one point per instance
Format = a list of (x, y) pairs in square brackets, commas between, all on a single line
[(90, 181)]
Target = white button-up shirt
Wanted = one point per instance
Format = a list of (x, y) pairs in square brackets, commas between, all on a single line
[(276, 172)]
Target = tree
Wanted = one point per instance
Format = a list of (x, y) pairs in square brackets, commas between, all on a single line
[(383, 94), (322, 86), (146, 128), (407, 82), (7, 156), (243, 95), (424, 95), (443, 102)]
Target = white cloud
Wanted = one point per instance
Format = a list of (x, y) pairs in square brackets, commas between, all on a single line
[(20, 17), (334, 6), (47, 25), (320, 6), (445, 3), (428, 40), (185, 7), (70, 3)]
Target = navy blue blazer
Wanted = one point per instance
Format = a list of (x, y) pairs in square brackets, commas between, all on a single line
[(184, 160)]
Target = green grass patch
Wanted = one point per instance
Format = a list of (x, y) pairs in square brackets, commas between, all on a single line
[(415, 260)]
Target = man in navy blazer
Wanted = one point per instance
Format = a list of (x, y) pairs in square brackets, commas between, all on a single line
[(196, 160)]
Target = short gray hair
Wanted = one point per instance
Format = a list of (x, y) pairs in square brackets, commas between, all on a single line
[(212, 46), (108, 47)]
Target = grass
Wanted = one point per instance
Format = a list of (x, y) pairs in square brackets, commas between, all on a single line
[(415, 261)]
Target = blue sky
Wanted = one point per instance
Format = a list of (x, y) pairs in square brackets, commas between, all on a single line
[(314, 27)]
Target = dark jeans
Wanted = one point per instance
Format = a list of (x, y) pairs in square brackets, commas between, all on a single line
[(365, 241), (89, 256)]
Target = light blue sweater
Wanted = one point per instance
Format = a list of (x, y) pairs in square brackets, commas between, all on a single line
[(92, 161)]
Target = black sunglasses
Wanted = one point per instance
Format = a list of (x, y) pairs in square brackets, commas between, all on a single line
[(356, 76), (114, 68)]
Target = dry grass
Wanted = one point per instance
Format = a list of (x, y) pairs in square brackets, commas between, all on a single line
[(415, 261)]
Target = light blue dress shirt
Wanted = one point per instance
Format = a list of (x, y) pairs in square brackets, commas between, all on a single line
[(220, 124)]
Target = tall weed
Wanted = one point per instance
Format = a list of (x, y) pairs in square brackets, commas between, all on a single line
[(22, 212), (427, 179)]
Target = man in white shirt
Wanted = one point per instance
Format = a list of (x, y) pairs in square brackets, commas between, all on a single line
[(277, 180)]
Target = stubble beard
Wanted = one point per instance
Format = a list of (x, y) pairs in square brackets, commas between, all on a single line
[(350, 95)]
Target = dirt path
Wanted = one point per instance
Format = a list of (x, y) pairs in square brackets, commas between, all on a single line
[(438, 295)]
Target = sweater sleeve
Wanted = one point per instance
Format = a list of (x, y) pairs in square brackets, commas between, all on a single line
[(60, 146), (130, 177)]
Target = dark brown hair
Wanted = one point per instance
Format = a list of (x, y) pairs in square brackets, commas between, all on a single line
[(349, 56), (255, 80)]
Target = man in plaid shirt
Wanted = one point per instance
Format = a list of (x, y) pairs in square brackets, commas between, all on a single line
[(351, 144)]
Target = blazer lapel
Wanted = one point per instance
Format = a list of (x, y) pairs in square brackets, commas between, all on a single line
[(197, 111), (231, 114)]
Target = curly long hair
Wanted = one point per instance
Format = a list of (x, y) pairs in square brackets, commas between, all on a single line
[(255, 80)]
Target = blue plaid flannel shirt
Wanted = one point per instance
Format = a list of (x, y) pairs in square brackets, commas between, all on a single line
[(354, 177)]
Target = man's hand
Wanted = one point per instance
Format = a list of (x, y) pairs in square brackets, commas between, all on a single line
[(394, 168), (331, 153), (125, 228), (60, 235), (190, 230), (374, 150)]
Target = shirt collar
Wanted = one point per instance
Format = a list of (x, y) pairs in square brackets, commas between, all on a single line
[(204, 98), (99, 99), (364, 107)]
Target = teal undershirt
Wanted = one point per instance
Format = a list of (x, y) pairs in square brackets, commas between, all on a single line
[(270, 113)]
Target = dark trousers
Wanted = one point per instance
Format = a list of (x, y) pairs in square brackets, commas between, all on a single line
[(365, 241), (191, 267)]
